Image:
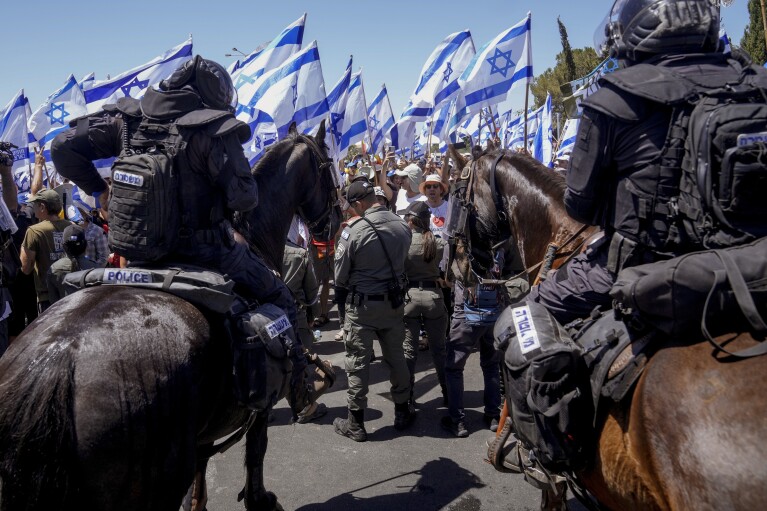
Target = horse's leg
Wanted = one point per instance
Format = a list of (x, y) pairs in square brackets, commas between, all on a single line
[(197, 497), (256, 441)]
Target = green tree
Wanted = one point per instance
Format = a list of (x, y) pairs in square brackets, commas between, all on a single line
[(753, 36), (584, 59), (567, 52)]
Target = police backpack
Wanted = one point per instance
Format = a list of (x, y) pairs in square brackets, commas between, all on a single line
[(144, 206)]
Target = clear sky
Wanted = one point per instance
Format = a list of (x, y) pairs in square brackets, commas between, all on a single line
[(45, 41)]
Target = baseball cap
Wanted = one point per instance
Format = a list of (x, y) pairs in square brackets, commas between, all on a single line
[(48, 197), (358, 190), (417, 208), (413, 172)]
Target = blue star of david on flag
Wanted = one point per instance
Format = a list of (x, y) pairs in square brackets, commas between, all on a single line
[(373, 123), (448, 72), (141, 84), (295, 92), (493, 61), (56, 113), (257, 142), (242, 79)]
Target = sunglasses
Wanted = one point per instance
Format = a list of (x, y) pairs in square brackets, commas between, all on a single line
[(428, 187)]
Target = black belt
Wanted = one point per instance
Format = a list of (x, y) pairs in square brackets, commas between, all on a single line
[(358, 298), (422, 284)]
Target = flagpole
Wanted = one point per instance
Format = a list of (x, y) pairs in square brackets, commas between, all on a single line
[(370, 137), (431, 127), (492, 118), (527, 94)]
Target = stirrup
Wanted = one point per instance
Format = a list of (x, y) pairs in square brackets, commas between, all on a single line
[(504, 455)]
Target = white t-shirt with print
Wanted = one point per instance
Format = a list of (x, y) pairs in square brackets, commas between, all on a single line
[(403, 201)]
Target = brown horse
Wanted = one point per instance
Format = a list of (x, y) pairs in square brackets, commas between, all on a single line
[(692, 434)]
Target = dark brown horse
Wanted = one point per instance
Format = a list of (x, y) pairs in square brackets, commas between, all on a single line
[(107, 399), (692, 435)]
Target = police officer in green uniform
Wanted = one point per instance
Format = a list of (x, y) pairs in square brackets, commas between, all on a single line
[(370, 253)]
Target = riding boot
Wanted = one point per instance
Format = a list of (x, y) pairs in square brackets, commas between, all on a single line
[(404, 415), (353, 427)]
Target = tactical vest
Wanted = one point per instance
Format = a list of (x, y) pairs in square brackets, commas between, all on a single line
[(653, 192)]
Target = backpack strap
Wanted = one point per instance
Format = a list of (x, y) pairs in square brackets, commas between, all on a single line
[(739, 287)]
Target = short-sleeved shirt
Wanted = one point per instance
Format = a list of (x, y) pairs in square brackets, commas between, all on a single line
[(46, 240), (437, 221), (97, 247), (360, 262), (403, 201)]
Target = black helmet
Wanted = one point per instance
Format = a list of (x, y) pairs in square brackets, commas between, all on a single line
[(637, 29), (210, 79)]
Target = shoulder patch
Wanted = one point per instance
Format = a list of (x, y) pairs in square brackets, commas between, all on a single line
[(340, 249), (345, 234)]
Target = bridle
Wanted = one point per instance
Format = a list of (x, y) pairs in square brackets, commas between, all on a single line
[(320, 226)]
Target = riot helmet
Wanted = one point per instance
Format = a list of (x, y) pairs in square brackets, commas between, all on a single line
[(210, 79), (637, 29)]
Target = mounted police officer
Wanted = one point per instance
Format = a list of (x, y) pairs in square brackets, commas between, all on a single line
[(626, 168), (370, 265), (196, 100)]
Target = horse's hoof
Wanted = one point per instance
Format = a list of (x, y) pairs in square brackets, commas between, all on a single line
[(266, 502)]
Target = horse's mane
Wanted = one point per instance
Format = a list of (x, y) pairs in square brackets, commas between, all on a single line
[(544, 178)]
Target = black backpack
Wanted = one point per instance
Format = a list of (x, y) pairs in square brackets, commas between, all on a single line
[(724, 173), (145, 202)]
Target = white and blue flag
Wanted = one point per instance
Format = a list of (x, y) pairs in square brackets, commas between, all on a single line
[(402, 134), (279, 90), (438, 82), (380, 119), (517, 134), (543, 147), (13, 128), (337, 108), (87, 81), (500, 64), (264, 134), (567, 139), (439, 126), (355, 125), (134, 83), (53, 116), (247, 76)]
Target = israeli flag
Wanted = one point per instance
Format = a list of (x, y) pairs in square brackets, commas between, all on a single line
[(725, 41), (543, 149), (517, 140), (336, 110), (279, 90), (355, 125), (264, 134), (402, 133), (500, 64), (13, 128), (134, 83), (438, 82), (567, 140), (87, 81), (456, 116), (250, 70), (439, 126), (380, 119), (53, 116)]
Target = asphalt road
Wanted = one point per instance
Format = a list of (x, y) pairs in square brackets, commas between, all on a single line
[(424, 468)]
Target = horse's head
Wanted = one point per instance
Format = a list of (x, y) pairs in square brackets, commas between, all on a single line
[(319, 207)]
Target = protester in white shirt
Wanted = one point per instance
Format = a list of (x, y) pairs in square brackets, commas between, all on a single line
[(409, 180)]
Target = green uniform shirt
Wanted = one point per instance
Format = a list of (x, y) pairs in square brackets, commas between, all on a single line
[(360, 262), (416, 268)]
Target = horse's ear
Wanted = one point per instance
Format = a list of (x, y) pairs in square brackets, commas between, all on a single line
[(320, 136), (491, 145), (293, 130), (456, 156), (476, 152)]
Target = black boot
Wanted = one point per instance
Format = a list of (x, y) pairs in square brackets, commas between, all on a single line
[(353, 427), (404, 415)]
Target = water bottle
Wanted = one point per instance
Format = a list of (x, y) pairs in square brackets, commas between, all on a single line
[(317, 335)]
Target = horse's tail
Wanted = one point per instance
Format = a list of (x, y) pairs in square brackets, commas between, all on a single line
[(37, 432)]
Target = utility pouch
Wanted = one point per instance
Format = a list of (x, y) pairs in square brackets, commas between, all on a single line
[(396, 295)]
